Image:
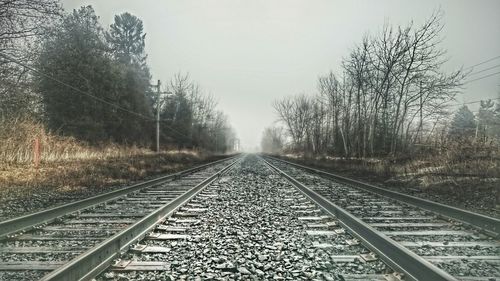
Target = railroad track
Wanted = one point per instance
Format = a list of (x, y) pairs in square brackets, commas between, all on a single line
[(93, 231), (260, 220), (251, 224), (422, 239)]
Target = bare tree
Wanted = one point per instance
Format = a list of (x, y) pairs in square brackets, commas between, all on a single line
[(296, 113), (391, 86), (22, 22), (193, 119), (273, 140)]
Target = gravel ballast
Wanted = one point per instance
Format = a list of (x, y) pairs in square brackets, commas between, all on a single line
[(254, 228)]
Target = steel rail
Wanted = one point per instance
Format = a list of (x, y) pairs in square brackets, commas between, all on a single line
[(28, 221), (94, 261), (489, 224), (395, 255)]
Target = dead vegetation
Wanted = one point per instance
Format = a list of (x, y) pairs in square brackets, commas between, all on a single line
[(18, 135), (465, 173), (450, 165), (66, 163), (70, 170)]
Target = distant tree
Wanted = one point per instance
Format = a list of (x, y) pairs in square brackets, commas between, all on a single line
[(497, 118), (463, 124), (221, 135), (190, 118), (296, 113), (177, 112), (178, 116), (329, 88), (273, 140), (488, 121), (127, 39), (132, 92), (203, 109)]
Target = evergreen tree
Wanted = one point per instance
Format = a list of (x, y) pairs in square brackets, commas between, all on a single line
[(463, 124), (178, 116), (127, 39), (487, 121), (76, 55)]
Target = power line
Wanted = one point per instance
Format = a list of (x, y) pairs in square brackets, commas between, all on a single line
[(171, 128), (482, 77), (86, 93), (486, 69), (472, 102), (483, 62)]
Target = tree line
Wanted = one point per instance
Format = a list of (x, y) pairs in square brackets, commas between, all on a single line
[(483, 126), (390, 97), (93, 83), (193, 117)]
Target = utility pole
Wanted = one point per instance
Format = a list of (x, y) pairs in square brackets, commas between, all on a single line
[(158, 118), (477, 130)]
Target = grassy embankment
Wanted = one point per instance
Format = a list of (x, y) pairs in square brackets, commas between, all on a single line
[(68, 165), (463, 174)]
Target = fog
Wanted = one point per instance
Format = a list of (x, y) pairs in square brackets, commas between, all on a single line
[(249, 53)]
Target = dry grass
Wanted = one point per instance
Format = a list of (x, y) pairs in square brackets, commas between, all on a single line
[(467, 172), (69, 164), (17, 137), (453, 163), (457, 163), (77, 173)]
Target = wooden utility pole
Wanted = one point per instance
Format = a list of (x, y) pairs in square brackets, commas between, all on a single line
[(158, 118)]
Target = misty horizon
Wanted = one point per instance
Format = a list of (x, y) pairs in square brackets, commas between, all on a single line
[(249, 54)]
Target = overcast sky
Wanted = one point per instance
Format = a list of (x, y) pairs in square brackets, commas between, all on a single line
[(248, 53)]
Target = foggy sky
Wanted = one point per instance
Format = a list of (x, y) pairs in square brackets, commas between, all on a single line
[(249, 53)]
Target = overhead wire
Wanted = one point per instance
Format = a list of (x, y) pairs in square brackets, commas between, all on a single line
[(482, 77), (472, 102), (483, 62), (483, 70)]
